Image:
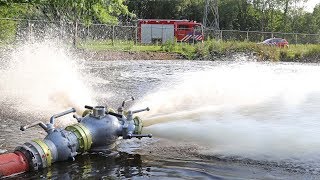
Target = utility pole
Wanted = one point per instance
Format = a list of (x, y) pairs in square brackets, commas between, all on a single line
[(211, 16)]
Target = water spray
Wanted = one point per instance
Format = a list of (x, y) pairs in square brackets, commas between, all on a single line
[(97, 130)]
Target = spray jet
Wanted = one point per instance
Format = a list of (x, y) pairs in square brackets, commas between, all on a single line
[(97, 130)]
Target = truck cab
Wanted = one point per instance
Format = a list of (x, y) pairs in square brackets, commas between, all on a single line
[(189, 32)]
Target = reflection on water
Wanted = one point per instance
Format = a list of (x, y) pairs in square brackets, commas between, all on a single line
[(94, 166), (123, 165)]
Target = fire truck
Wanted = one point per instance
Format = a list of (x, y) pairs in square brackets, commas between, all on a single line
[(163, 30)]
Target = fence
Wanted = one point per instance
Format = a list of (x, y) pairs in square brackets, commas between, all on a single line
[(16, 30), (258, 36)]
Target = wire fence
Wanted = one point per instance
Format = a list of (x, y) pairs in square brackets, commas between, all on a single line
[(258, 36), (17, 30)]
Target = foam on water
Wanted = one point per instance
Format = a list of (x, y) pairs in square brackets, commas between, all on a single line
[(252, 110)]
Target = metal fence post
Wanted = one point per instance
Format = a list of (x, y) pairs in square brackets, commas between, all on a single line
[(193, 36), (296, 38), (162, 36), (88, 31), (29, 31), (112, 35), (75, 34), (136, 34), (61, 29), (247, 35)]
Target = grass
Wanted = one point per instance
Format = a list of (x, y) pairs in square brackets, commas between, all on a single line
[(297, 52), (185, 49), (99, 45), (5, 44), (213, 48)]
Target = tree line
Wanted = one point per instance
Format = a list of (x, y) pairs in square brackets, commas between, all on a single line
[(253, 15)]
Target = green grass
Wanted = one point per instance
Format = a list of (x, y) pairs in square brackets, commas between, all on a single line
[(293, 53), (213, 48), (297, 52), (185, 49), (117, 46), (5, 44)]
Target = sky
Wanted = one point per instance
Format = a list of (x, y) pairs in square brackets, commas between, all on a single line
[(310, 5)]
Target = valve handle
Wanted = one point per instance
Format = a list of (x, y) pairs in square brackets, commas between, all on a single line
[(140, 110), (47, 127), (139, 136), (114, 114), (110, 113), (88, 107), (52, 119), (40, 123), (127, 100), (77, 118)]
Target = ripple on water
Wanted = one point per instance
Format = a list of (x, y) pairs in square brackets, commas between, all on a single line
[(159, 158)]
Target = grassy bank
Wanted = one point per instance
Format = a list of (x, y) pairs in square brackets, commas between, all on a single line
[(299, 53), (211, 49)]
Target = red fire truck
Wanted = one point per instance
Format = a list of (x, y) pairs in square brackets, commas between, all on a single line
[(162, 30)]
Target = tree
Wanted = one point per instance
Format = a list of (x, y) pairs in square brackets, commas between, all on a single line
[(159, 9), (8, 27), (61, 11), (316, 18), (228, 13), (87, 11)]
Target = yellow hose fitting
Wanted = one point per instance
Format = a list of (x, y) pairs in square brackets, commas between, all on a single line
[(83, 136), (111, 110), (86, 112), (138, 125), (46, 151)]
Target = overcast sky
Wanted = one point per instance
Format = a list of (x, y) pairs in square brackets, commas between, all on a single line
[(311, 4)]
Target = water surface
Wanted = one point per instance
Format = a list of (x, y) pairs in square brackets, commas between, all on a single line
[(210, 119)]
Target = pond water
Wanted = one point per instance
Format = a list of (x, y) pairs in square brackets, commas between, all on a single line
[(236, 119)]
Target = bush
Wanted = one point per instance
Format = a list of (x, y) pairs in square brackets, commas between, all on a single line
[(168, 46), (283, 56)]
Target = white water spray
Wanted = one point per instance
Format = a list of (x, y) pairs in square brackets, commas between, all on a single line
[(42, 79), (256, 111)]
